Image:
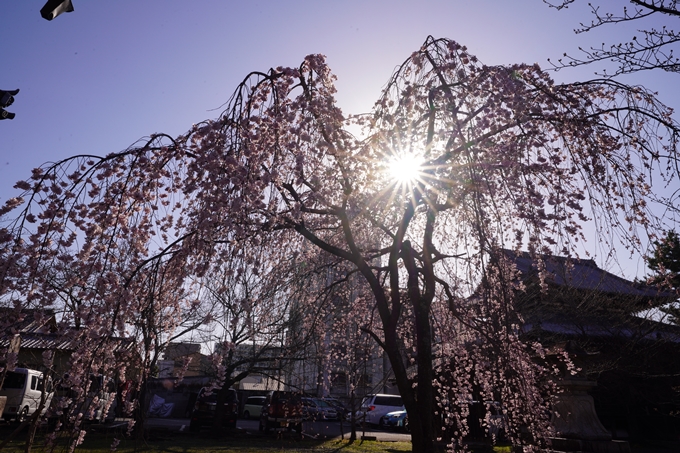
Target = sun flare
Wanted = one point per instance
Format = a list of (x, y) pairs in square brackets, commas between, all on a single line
[(405, 169)]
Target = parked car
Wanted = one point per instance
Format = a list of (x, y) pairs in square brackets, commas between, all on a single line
[(97, 406), (281, 409), (253, 407), (24, 388), (396, 419), (373, 407), (205, 410), (339, 407), (318, 409), (101, 401)]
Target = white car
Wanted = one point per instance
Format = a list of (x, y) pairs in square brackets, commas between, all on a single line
[(253, 407), (373, 407), (24, 388)]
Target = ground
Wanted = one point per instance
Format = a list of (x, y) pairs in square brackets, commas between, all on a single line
[(247, 439)]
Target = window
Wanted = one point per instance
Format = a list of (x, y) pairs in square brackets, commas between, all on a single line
[(257, 400), (14, 380), (364, 380), (339, 379), (384, 400)]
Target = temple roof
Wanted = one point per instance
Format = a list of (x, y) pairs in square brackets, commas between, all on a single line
[(584, 274)]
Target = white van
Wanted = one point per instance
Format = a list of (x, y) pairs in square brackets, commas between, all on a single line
[(373, 407), (24, 389)]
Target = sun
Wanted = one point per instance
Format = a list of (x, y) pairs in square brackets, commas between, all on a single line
[(405, 169)]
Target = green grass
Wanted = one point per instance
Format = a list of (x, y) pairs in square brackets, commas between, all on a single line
[(170, 443), (167, 442)]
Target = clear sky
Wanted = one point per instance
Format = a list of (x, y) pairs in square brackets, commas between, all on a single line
[(95, 80)]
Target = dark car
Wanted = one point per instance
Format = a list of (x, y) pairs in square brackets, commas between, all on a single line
[(281, 409), (338, 406), (97, 406), (318, 409), (205, 410)]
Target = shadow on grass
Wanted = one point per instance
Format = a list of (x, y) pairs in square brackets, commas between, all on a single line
[(100, 440), (251, 443)]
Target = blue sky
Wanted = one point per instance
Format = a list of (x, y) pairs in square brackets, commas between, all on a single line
[(96, 80)]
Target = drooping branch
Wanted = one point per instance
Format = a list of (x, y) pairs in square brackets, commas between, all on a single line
[(654, 51)]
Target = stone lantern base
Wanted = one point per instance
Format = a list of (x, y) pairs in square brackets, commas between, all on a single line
[(576, 424)]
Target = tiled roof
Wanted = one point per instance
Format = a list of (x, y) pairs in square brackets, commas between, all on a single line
[(59, 342), (40, 332), (584, 274), (637, 328), (43, 341)]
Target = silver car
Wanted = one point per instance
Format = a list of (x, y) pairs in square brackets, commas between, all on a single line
[(373, 407)]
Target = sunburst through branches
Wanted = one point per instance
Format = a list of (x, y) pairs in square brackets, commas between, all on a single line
[(405, 169)]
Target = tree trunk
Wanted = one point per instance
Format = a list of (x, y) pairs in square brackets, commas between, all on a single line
[(218, 424), (420, 415), (421, 401), (352, 417), (425, 391), (140, 410)]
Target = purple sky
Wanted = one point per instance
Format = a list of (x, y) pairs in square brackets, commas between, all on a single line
[(95, 80)]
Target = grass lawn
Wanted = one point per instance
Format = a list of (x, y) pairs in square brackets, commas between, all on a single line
[(170, 443), (178, 443), (162, 441)]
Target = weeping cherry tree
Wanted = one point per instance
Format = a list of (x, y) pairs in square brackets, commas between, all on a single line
[(499, 157)]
